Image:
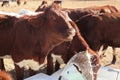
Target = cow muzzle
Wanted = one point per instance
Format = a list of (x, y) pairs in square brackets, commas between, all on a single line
[(71, 33)]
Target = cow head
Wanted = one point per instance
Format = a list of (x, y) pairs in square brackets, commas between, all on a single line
[(59, 22), (56, 22)]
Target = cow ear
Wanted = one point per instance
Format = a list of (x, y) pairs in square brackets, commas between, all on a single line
[(36, 21)]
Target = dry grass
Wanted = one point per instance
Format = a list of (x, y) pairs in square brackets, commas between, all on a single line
[(32, 5)]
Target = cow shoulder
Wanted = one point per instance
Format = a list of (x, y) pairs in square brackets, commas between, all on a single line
[(94, 20), (89, 21), (6, 21)]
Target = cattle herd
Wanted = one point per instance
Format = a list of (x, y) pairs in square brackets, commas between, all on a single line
[(54, 30)]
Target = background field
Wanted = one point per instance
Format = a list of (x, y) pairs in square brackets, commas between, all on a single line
[(33, 4)]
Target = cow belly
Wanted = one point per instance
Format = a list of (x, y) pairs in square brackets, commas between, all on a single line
[(114, 41)]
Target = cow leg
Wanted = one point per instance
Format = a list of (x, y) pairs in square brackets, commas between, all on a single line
[(60, 60), (19, 72), (57, 66), (54, 62), (32, 72), (11, 71), (28, 72), (50, 64), (2, 67), (24, 72), (114, 56), (13, 74)]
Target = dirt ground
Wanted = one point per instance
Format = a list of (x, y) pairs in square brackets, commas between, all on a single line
[(33, 4)]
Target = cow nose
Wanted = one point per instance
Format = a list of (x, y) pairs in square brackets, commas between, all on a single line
[(71, 32)]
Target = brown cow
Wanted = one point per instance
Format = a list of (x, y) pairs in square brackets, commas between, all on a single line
[(75, 14), (99, 24), (79, 37), (30, 37), (70, 47), (106, 9), (103, 9)]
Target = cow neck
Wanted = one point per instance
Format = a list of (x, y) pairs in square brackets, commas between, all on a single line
[(46, 39), (79, 35), (49, 42), (85, 44)]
